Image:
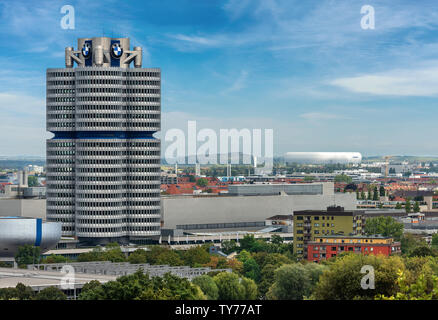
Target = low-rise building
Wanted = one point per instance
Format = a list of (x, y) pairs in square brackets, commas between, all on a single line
[(309, 224), (326, 247)]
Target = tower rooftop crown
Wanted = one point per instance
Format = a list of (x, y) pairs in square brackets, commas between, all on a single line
[(103, 52)]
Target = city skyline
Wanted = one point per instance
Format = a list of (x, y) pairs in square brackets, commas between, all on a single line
[(307, 70)]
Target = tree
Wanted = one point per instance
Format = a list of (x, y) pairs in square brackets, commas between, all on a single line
[(196, 256), (140, 286), (370, 194), (202, 182), (248, 242), (408, 208), (292, 282), (362, 195), (250, 289), (375, 194), (32, 181), (113, 253), (251, 269), (231, 287), (138, 256), (413, 291), (208, 286), (409, 243), (434, 242), (398, 206), (385, 226), (54, 258), (343, 178), (50, 293), (308, 178), (229, 246), (423, 251), (382, 191), (27, 254), (235, 265), (276, 239), (342, 281), (416, 207), (24, 292)]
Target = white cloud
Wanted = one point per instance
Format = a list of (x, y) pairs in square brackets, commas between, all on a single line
[(20, 105), (239, 83), (407, 82)]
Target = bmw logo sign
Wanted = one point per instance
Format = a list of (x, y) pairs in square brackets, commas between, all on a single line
[(86, 50), (116, 50)]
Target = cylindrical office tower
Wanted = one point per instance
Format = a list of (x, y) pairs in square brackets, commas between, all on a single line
[(103, 164)]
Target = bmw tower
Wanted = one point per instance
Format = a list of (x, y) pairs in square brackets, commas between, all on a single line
[(103, 162)]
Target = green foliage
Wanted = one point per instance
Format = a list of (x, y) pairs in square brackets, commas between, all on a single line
[(250, 289), (294, 281), (435, 241), (423, 251), (208, 286), (343, 178), (50, 293), (202, 182), (414, 291), (32, 181), (27, 254), (229, 246), (375, 194), (231, 287), (385, 226), (140, 286), (276, 239), (416, 207), (196, 256), (342, 281), (22, 292), (138, 256), (251, 269), (408, 206), (409, 243), (55, 259), (382, 191)]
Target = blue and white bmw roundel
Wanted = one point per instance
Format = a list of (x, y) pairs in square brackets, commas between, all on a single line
[(116, 50), (86, 49)]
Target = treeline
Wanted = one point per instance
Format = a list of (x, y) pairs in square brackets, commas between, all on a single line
[(22, 292)]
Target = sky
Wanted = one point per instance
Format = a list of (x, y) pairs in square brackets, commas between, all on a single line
[(306, 69)]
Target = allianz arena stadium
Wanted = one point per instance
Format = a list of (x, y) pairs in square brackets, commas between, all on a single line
[(17, 231)]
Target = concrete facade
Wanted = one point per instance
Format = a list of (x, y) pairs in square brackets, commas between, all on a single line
[(29, 208), (103, 164), (189, 210)]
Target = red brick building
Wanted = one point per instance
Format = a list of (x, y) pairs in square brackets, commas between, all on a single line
[(326, 247)]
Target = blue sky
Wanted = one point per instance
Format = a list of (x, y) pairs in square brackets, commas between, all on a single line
[(303, 68)]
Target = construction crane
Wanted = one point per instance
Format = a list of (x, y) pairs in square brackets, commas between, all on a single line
[(387, 165)]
